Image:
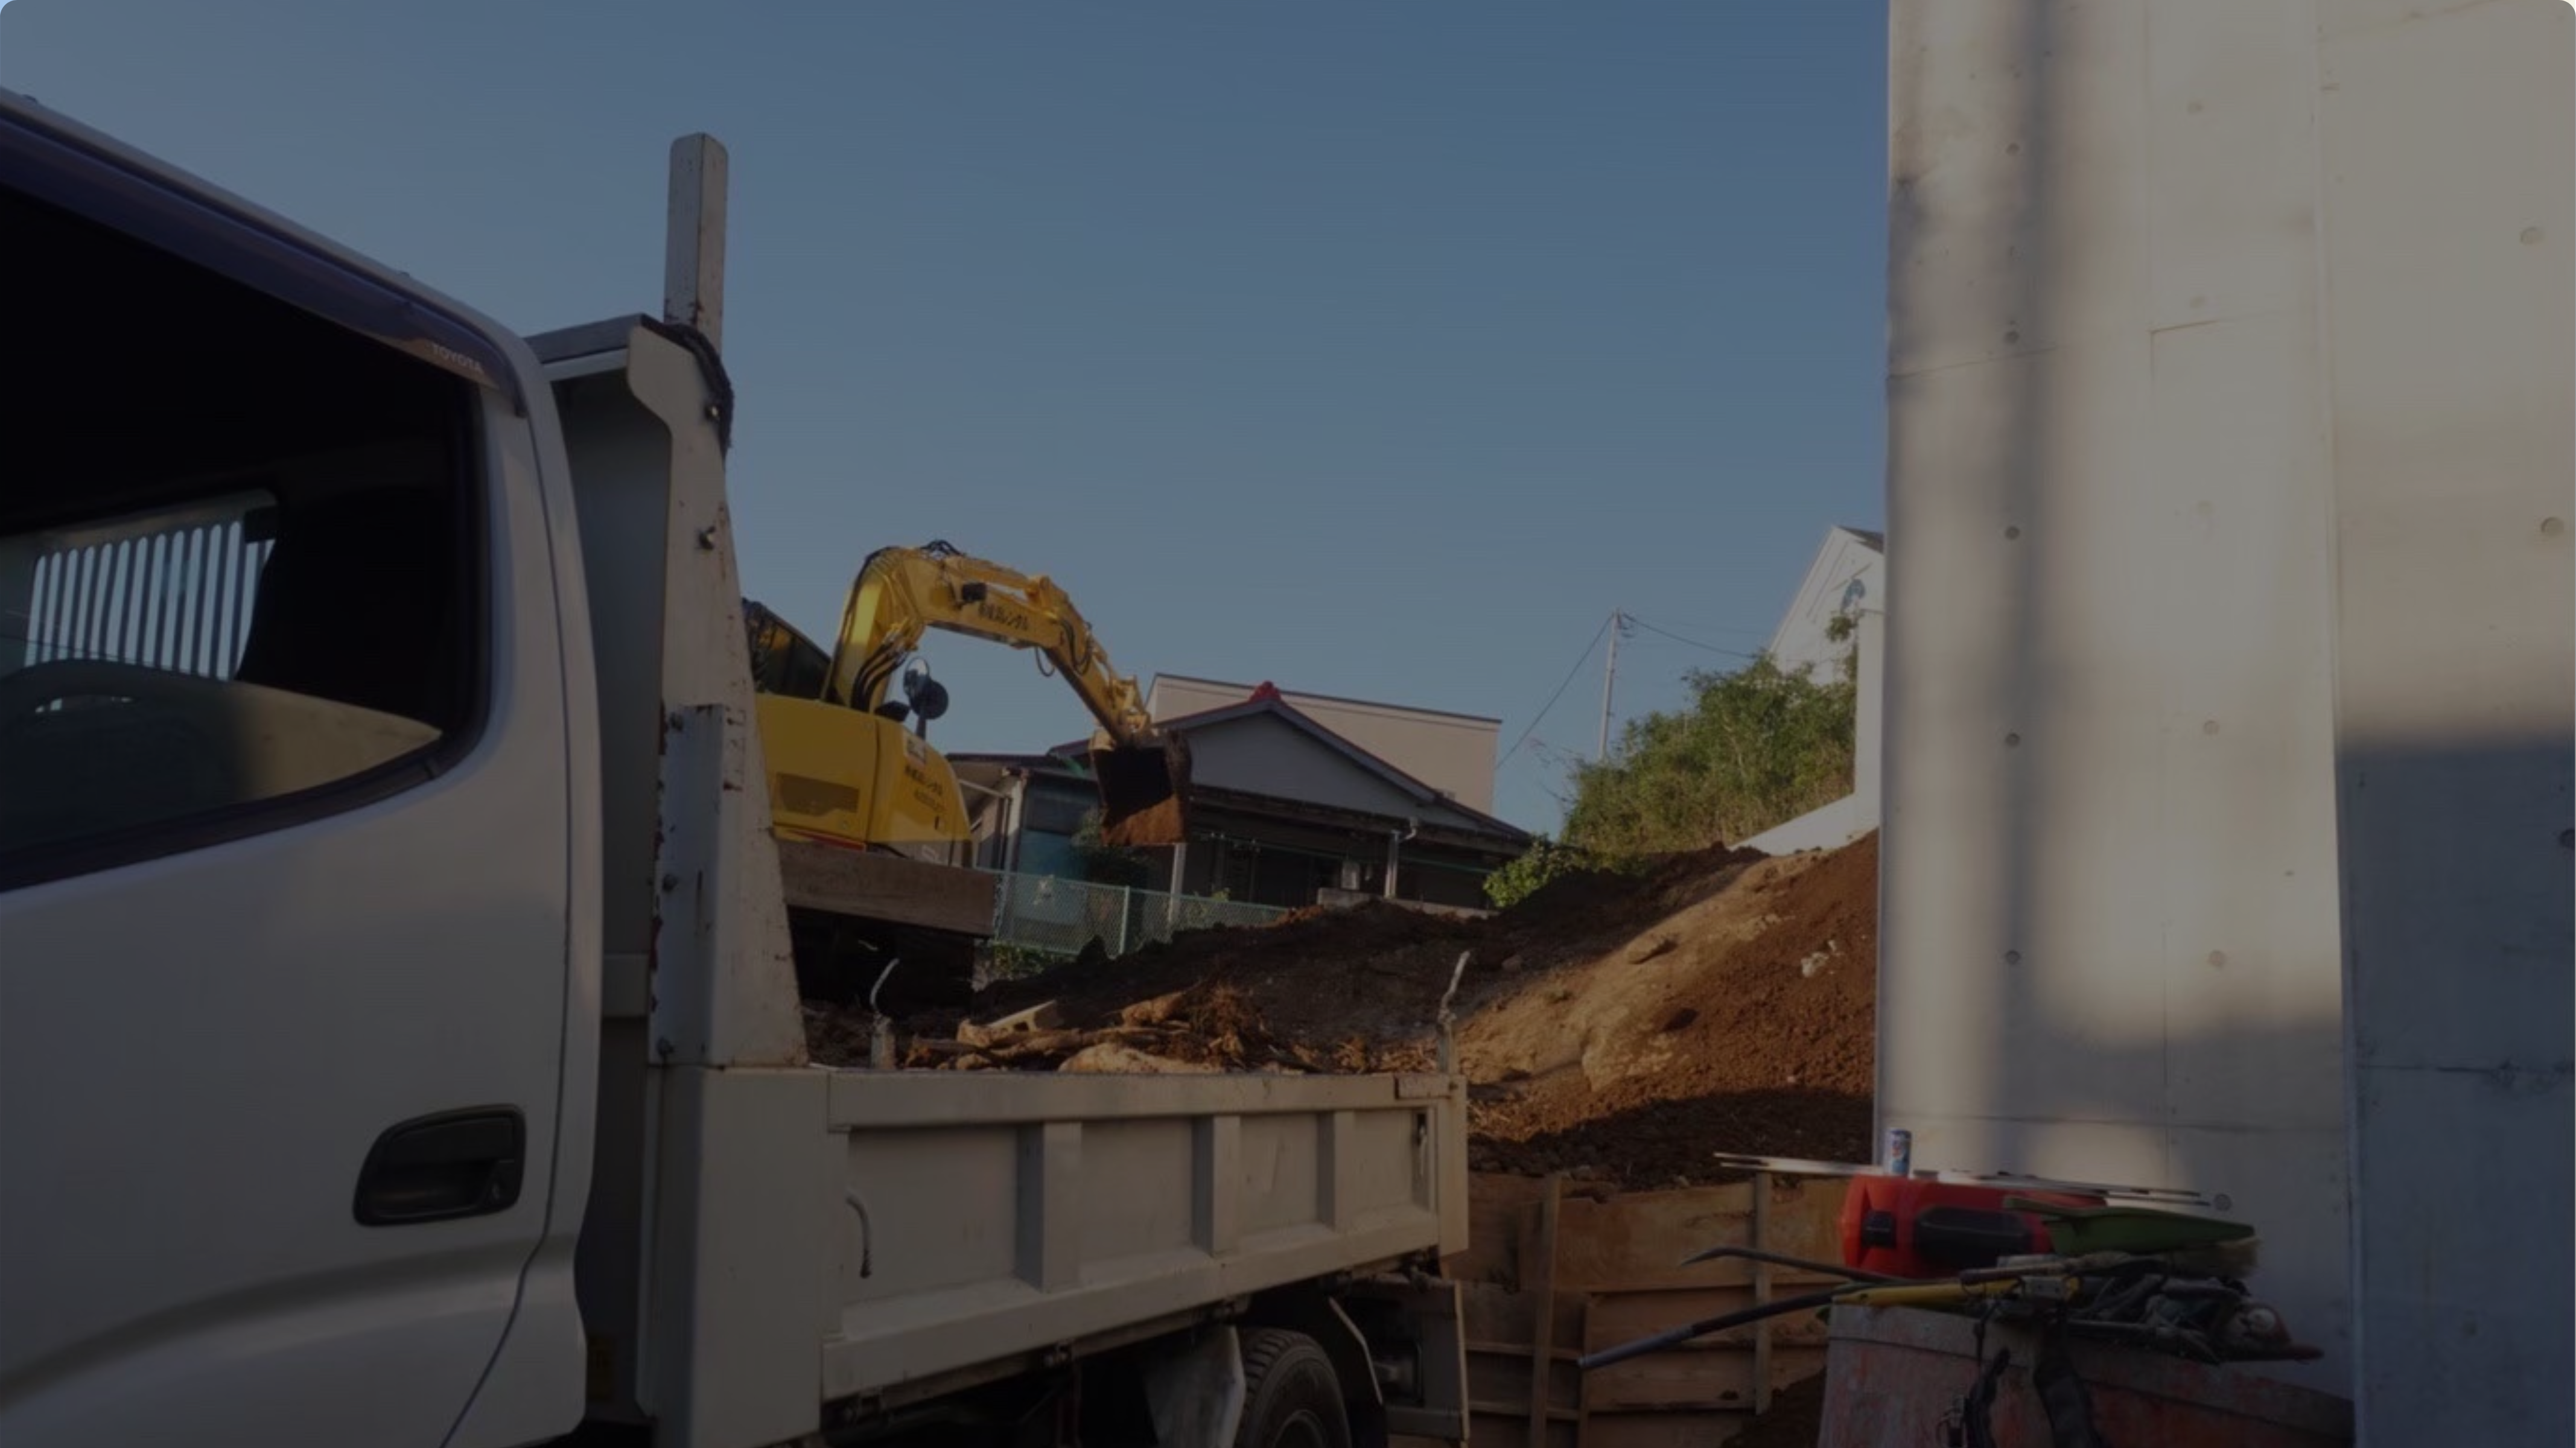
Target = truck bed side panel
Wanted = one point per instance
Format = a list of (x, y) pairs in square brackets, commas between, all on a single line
[(990, 1216)]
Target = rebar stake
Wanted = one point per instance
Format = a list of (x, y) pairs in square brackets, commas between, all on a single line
[(881, 1031)]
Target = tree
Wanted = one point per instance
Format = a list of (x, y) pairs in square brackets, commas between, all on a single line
[(1757, 747)]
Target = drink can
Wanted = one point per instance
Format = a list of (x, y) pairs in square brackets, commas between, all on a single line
[(1900, 1152)]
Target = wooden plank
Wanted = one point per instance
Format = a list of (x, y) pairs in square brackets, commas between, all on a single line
[(1709, 1382), (1626, 1317), (1520, 1351), (1615, 1275), (1540, 1276), (1645, 1236), (870, 886), (1642, 1237), (1697, 1279), (1582, 1393), (1761, 1295), (1499, 1316), (1710, 1388), (1665, 1430)]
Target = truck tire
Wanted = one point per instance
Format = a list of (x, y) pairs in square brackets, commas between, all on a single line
[(1292, 1398)]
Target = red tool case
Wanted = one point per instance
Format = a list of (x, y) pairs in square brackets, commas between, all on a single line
[(1915, 1228)]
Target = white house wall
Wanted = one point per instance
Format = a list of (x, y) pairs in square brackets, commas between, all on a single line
[(2191, 553), (1847, 574)]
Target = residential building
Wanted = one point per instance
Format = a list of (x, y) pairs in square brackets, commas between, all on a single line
[(1848, 580), (1452, 753), (1282, 808), (1849, 575)]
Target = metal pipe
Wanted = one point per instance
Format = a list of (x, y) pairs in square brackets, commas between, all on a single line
[(1675, 1337), (1783, 1259)]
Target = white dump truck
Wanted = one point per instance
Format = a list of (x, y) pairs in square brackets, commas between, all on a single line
[(399, 1039)]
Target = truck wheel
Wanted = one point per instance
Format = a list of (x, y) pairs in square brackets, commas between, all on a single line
[(1292, 1398)]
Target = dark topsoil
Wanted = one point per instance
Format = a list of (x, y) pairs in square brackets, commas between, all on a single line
[(1620, 1028)]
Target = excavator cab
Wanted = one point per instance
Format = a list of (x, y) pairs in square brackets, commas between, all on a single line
[(783, 661), (1144, 790)]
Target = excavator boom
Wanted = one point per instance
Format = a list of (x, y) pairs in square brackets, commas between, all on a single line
[(1142, 775)]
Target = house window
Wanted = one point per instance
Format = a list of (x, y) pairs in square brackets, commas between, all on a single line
[(1043, 852), (1057, 810)]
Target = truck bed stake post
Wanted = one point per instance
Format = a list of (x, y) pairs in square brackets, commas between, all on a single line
[(693, 257)]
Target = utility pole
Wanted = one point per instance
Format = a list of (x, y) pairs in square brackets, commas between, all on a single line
[(1609, 679)]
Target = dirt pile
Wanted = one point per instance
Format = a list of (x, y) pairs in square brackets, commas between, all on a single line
[(1753, 1029), (1618, 1028)]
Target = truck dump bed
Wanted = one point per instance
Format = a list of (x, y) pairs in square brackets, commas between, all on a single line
[(1003, 1214)]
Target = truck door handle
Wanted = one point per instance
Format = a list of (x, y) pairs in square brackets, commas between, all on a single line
[(439, 1168)]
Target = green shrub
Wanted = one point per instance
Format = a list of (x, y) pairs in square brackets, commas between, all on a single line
[(1547, 860), (1757, 747)]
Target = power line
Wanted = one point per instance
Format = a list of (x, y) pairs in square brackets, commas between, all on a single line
[(1694, 643), (1541, 716), (1741, 630)]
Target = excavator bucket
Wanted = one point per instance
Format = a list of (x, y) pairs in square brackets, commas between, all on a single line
[(1144, 793)]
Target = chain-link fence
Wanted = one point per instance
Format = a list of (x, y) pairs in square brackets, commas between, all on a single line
[(1042, 912)]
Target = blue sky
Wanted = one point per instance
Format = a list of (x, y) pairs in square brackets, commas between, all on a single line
[(1375, 350)]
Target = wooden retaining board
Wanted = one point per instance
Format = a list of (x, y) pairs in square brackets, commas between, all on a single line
[(1558, 1270)]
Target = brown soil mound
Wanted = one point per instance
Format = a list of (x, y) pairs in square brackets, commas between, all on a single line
[(1755, 1032), (1617, 1027)]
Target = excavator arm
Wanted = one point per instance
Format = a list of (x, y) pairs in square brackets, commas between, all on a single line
[(902, 593)]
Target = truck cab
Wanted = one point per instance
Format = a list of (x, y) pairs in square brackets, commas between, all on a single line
[(296, 982)]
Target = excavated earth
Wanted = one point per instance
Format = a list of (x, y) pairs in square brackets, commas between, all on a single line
[(1616, 1028)]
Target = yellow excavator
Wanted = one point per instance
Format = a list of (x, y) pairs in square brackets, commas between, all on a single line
[(866, 810)]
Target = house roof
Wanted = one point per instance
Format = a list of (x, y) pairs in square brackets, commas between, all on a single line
[(1234, 688), (1050, 760), (1266, 702)]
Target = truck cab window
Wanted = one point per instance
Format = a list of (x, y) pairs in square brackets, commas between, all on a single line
[(238, 557)]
